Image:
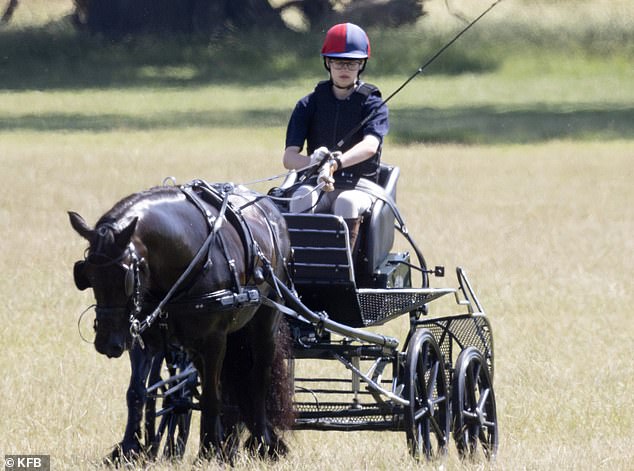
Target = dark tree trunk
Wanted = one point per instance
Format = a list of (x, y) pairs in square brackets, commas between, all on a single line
[(253, 13), (8, 13)]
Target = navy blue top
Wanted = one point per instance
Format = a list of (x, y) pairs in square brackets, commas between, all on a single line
[(321, 119)]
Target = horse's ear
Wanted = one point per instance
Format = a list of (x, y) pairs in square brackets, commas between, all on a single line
[(81, 280), (122, 237), (80, 225)]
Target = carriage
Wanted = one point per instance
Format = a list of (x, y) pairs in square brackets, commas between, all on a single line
[(436, 383)]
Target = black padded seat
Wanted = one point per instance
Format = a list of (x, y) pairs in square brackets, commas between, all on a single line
[(377, 230)]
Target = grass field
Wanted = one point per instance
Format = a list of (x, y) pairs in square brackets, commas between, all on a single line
[(517, 157)]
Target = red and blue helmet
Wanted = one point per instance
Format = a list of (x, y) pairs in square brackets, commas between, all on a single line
[(346, 41)]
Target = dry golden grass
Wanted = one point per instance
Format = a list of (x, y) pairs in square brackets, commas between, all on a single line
[(544, 232)]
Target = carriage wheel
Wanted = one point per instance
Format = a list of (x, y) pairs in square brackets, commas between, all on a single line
[(427, 417), (173, 430), (475, 417), (176, 412)]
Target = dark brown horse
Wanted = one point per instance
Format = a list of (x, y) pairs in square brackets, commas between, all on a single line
[(200, 253)]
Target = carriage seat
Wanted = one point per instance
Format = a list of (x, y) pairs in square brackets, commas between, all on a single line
[(377, 230), (324, 270)]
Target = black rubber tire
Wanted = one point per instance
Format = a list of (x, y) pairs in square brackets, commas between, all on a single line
[(427, 418), (475, 423)]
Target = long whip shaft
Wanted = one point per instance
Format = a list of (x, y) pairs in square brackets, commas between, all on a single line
[(415, 74)]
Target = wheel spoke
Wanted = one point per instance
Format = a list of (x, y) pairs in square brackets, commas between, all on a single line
[(422, 364), (484, 396), (488, 444), (439, 400), (184, 428), (471, 401), (475, 435), (427, 438), (433, 378), (421, 413), (476, 370), (438, 431)]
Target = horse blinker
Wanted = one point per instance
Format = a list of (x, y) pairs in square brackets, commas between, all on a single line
[(79, 275)]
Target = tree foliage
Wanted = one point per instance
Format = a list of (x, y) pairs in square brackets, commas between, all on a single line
[(216, 16)]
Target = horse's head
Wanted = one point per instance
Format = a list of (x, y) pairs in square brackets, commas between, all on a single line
[(111, 269)]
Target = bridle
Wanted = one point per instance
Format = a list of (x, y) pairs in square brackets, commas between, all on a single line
[(132, 281)]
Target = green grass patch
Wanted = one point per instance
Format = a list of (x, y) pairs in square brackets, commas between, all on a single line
[(524, 74)]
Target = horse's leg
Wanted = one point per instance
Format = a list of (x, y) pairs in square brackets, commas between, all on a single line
[(211, 431), (262, 335), (130, 446), (232, 426)]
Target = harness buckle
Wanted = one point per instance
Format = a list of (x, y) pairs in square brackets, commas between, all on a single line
[(135, 333)]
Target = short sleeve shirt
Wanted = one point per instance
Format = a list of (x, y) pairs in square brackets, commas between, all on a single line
[(320, 119)]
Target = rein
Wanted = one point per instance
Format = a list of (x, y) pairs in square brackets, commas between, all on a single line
[(137, 327), (224, 298)]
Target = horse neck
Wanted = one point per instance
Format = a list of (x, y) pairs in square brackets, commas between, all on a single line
[(171, 235)]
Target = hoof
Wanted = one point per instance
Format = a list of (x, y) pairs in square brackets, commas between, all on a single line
[(125, 453), (273, 451)]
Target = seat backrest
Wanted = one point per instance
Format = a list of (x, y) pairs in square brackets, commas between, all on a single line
[(320, 248), (378, 229), (322, 267)]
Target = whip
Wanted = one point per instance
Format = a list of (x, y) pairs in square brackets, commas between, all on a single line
[(414, 75), (312, 169)]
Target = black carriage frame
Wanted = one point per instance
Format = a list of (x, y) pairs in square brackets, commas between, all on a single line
[(441, 382)]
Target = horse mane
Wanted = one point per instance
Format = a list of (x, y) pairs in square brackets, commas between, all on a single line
[(122, 208)]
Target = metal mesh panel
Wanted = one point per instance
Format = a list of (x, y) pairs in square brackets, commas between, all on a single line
[(454, 334), (334, 415), (376, 308)]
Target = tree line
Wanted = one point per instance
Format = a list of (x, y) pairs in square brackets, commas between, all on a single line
[(216, 16)]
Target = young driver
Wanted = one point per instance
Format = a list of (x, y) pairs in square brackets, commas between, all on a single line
[(323, 118)]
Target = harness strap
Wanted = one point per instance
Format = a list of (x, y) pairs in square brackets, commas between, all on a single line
[(220, 300), (217, 196), (136, 326)]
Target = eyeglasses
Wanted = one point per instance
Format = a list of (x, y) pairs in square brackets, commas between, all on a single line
[(348, 65)]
